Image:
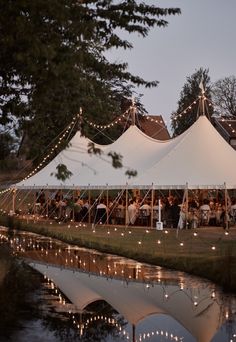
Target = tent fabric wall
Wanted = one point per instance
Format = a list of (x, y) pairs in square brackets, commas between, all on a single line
[(198, 158)]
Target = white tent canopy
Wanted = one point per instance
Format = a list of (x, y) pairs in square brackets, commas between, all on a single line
[(198, 158), (135, 303)]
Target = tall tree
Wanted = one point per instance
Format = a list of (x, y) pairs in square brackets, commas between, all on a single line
[(52, 60), (189, 102), (224, 96), (6, 145)]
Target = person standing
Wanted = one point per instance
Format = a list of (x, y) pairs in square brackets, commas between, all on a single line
[(132, 212)]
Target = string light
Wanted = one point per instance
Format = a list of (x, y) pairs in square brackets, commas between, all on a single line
[(186, 110), (5, 190), (45, 159), (229, 122)]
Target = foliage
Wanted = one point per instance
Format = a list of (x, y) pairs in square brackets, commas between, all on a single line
[(6, 145), (15, 289), (116, 159), (62, 172), (180, 121), (224, 96), (92, 149), (131, 173), (53, 61)]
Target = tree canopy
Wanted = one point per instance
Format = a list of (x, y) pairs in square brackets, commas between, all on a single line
[(53, 62), (224, 96), (189, 104)]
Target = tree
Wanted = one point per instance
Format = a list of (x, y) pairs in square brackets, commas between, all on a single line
[(189, 102), (52, 61), (6, 145), (224, 96)]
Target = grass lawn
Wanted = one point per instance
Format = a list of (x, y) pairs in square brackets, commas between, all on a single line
[(209, 252)]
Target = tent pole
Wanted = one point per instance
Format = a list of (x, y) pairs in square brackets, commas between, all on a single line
[(89, 200), (152, 201), (73, 208), (226, 208), (186, 206), (177, 230), (107, 206), (35, 201), (133, 333), (126, 207), (14, 201), (47, 202)]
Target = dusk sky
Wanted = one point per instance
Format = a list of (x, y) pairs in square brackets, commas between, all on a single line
[(204, 35)]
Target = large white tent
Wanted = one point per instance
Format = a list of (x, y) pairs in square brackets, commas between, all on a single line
[(136, 303), (198, 158)]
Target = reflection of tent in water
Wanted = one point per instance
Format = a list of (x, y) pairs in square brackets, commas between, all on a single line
[(135, 301), (199, 157)]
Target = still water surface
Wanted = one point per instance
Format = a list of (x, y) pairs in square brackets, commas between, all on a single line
[(92, 296)]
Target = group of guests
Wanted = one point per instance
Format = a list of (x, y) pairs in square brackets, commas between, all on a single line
[(205, 212), (173, 213), (170, 210), (62, 207)]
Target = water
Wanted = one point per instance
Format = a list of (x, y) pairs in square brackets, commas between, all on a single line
[(91, 296)]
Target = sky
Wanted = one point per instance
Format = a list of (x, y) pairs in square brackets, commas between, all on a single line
[(204, 35)]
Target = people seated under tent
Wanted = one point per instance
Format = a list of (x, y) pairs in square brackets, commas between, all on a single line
[(233, 211), (132, 212), (175, 212), (84, 213), (144, 213), (77, 209), (118, 213), (205, 212), (101, 212), (156, 211)]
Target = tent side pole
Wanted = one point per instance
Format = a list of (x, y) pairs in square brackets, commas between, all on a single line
[(89, 200), (47, 203), (226, 208), (152, 202), (183, 200), (107, 220), (126, 207), (14, 201), (186, 206)]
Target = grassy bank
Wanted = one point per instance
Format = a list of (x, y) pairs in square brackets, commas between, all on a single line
[(206, 252)]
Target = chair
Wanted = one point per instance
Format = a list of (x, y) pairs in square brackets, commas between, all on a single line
[(100, 215), (204, 217), (119, 215), (144, 216), (234, 217)]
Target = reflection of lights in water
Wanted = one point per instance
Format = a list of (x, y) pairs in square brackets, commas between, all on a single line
[(213, 295), (43, 246), (162, 333)]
